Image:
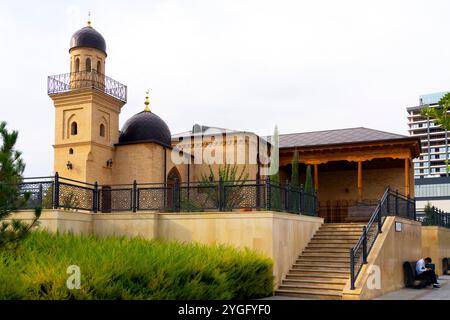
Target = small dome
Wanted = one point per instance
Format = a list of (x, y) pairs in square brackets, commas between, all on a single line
[(143, 127), (88, 37)]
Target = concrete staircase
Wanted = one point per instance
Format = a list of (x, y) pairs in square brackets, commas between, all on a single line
[(322, 270)]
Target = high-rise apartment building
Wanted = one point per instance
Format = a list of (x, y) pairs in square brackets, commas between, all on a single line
[(431, 172), (434, 139)]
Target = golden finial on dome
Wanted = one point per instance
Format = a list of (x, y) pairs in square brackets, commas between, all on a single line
[(147, 102), (89, 19)]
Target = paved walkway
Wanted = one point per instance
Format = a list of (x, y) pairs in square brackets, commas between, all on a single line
[(421, 294), (429, 293)]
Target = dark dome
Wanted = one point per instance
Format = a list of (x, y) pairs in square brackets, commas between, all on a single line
[(88, 37), (145, 126)]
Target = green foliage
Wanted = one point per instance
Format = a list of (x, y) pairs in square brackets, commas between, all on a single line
[(309, 191), (275, 199), (308, 180), (439, 115), (275, 153), (231, 180), (47, 198), (70, 201), (429, 218), (123, 268), (11, 170), (295, 179), (275, 196)]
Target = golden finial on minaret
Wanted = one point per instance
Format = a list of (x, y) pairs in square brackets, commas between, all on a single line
[(147, 102), (89, 19)]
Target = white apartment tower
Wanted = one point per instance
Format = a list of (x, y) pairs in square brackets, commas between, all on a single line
[(433, 159)]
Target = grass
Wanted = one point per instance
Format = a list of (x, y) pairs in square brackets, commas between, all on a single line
[(123, 268)]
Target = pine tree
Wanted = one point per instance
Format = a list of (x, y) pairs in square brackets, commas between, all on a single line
[(309, 192), (295, 178), (275, 173), (429, 218), (11, 170)]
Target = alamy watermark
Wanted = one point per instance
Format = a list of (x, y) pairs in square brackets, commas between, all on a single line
[(374, 279), (74, 280), (214, 146)]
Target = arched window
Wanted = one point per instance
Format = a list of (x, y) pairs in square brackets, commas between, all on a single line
[(88, 64), (74, 129), (77, 65), (99, 67), (172, 178), (70, 151), (102, 130)]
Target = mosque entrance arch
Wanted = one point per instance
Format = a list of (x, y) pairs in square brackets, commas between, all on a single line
[(172, 177)]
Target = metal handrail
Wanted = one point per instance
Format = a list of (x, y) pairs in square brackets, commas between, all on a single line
[(434, 217), (86, 79), (377, 216)]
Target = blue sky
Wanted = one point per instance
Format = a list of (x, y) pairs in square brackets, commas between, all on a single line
[(303, 65)]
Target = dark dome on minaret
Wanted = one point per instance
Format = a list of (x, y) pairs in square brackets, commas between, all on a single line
[(88, 37), (145, 127)]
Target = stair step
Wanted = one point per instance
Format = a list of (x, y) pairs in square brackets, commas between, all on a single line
[(309, 294), (325, 254), (341, 228), (332, 241), (346, 230), (330, 245), (343, 268), (340, 233), (329, 235), (333, 231), (310, 288), (336, 237), (318, 276), (343, 264), (319, 282), (306, 270), (322, 249), (349, 224), (322, 259)]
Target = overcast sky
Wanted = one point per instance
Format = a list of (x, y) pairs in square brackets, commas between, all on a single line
[(303, 65)]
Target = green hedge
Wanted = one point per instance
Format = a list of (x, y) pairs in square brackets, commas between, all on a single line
[(121, 268)]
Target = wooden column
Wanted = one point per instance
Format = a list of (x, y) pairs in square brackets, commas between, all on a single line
[(316, 177), (407, 182), (360, 190)]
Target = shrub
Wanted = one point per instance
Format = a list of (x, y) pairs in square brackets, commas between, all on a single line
[(123, 268)]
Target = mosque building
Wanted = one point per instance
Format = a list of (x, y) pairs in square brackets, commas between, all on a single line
[(352, 165)]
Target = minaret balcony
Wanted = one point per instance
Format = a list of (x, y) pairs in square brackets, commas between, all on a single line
[(86, 79)]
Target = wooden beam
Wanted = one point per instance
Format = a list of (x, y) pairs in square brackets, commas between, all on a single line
[(360, 186), (407, 182), (363, 155), (316, 177), (413, 145)]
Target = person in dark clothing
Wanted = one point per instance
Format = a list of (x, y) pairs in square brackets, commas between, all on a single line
[(425, 272)]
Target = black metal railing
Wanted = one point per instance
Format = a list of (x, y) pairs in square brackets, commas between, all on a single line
[(86, 79), (391, 204), (58, 192), (433, 216)]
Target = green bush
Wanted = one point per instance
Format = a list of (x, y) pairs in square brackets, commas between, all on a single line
[(122, 268)]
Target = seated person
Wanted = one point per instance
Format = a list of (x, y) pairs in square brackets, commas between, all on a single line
[(425, 271)]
